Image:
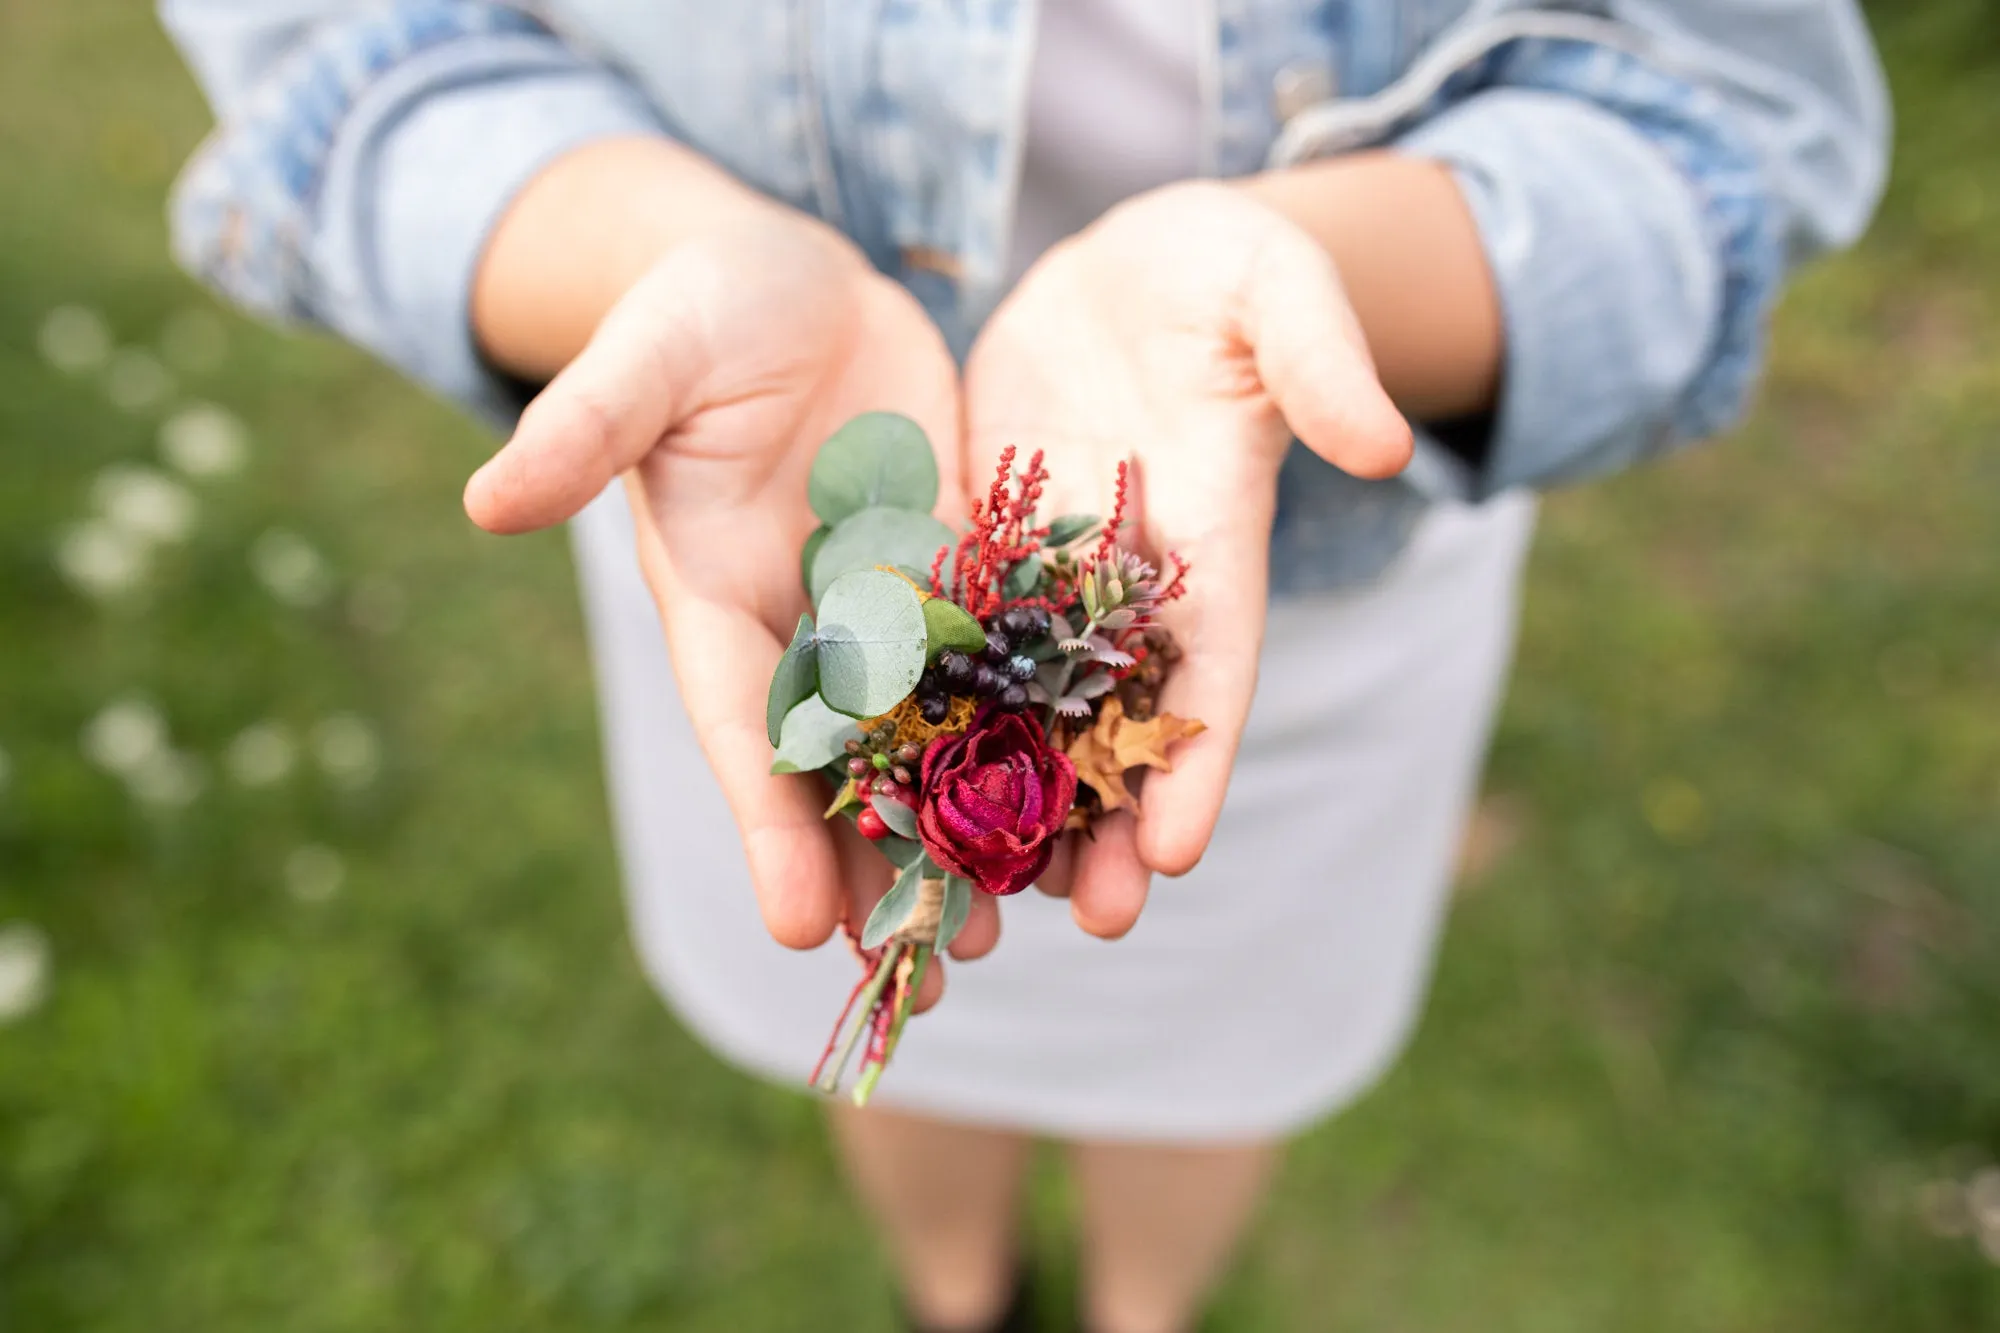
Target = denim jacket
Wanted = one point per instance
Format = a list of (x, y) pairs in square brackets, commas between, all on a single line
[(1643, 174)]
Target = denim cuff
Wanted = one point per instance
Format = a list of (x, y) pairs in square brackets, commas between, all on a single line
[(1635, 268), (357, 188)]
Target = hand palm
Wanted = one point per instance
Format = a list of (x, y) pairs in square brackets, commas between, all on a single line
[(709, 387), (1193, 331)]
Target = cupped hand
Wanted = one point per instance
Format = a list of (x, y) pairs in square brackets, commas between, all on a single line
[(709, 387), (1195, 331)]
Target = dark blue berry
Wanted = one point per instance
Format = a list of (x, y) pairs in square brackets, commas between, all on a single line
[(955, 670), (1013, 698), (1020, 667), (997, 646), (986, 682), (933, 708), (1016, 622)]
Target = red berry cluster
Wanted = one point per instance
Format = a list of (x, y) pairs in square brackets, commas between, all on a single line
[(878, 770)]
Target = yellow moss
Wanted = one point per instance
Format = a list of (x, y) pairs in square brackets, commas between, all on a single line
[(908, 724)]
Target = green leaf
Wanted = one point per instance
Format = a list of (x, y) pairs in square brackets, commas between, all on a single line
[(871, 643), (796, 677), (957, 907), (902, 820), (901, 851), (949, 625), (880, 536), (895, 907), (1022, 579), (879, 458), (1069, 528), (807, 553), (813, 737)]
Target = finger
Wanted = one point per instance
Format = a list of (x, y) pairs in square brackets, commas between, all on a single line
[(1111, 881), (1055, 881), (1219, 626), (604, 411), (931, 989), (981, 930), (1314, 362), (722, 657)]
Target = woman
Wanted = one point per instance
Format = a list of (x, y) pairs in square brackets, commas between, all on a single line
[(1192, 233)]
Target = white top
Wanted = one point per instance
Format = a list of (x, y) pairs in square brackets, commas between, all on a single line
[(1256, 993), (1114, 109)]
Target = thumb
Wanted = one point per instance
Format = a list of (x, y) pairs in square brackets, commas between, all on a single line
[(603, 413), (1313, 359)]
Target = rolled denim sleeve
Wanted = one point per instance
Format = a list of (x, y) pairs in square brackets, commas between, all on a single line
[(365, 153), (1640, 216)]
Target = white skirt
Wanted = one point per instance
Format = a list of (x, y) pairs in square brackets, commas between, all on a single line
[(1258, 993)]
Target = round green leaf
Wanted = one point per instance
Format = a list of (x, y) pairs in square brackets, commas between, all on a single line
[(895, 907), (814, 540), (880, 536), (957, 907), (901, 851), (813, 736), (879, 458), (949, 625), (1068, 528), (1022, 579), (902, 820), (796, 677), (871, 642)]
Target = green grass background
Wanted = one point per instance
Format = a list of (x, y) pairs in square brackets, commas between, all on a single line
[(1720, 999)]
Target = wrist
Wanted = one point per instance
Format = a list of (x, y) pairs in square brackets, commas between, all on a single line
[(587, 227)]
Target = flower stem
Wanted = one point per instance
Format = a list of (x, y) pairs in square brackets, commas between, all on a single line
[(829, 1079), (873, 1073)]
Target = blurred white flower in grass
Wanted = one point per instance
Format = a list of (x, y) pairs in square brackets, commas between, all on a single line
[(314, 873), (290, 569), (1982, 1200), (348, 750), (126, 735), (169, 780), (195, 340), (261, 755), (102, 560), (128, 739), (74, 339), (145, 502), (24, 970), (204, 440), (135, 381)]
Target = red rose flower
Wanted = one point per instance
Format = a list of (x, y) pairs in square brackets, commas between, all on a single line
[(994, 801)]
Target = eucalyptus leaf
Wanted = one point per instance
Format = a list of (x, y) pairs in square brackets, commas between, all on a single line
[(902, 820), (895, 907), (879, 458), (796, 677), (807, 553), (1069, 528), (879, 536), (871, 643), (1022, 579), (957, 907), (813, 737), (949, 625), (901, 851)]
